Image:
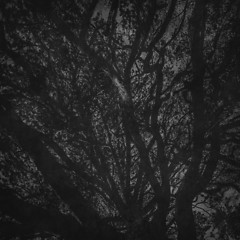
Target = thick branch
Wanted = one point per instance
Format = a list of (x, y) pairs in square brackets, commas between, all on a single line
[(38, 219), (54, 174)]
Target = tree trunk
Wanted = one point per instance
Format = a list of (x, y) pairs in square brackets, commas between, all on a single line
[(184, 217), (154, 230)]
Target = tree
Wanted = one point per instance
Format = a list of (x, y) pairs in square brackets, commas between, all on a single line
[(118, 118)]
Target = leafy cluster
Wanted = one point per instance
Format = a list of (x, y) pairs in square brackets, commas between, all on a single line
[(119, 119)]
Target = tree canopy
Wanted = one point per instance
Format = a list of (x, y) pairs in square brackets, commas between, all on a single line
[(120, 119)]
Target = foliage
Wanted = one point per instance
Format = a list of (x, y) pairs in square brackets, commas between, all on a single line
[(119, 119)]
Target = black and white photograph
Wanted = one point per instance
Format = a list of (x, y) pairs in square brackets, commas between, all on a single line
[(119, 119)]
